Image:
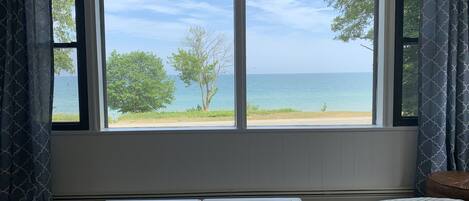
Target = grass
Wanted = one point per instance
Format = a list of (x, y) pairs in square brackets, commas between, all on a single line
[(254, 113), (257, 114), (65, 117)]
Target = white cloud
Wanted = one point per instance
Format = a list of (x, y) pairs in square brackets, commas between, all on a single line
[(292, 13), (165, 19), (151, 29), (180, 7)]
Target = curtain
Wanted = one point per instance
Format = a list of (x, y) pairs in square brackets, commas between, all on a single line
[(25, 99), (443, 139)]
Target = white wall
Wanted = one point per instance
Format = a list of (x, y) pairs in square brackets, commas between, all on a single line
[(364, 159)]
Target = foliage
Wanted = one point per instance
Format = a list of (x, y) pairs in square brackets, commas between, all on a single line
[(199, 114), (228, 115), (409, 81), (204, 59), (194, 109), (323, 107), (65, 117), (64, 31), (137, 82), (172, 115), (410, 59), (355, 21), (252, 107)]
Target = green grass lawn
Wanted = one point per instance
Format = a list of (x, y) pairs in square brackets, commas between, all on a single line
[(62, 117), (258, 114)]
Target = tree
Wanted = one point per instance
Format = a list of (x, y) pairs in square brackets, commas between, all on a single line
[(355, 21), (206, 56), (64, 31), (137, 82)]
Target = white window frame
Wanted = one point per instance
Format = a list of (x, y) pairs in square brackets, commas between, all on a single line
[(383, 95)]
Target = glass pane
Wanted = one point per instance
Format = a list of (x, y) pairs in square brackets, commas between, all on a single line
[(411, 18), (410, 80), (65, 105), (64, 26), (169, 63), (309, 66)]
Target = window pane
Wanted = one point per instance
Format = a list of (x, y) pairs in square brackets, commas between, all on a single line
[(410, 80), (309, 66), (411, 18), (65, 105), (169, 63), (63, 15)]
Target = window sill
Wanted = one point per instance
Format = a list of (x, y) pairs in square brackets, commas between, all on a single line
[(233, 130)]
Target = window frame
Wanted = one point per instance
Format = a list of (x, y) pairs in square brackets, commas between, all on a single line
[(79, 45), (400, 42), (240, 110)]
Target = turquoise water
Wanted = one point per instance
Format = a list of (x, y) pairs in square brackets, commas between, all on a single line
[(304, 92)]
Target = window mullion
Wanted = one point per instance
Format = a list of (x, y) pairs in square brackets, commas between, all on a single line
[(240, 63), (66, 45)]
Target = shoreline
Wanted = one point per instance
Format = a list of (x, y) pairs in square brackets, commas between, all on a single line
[(263, 122), (278, 117)]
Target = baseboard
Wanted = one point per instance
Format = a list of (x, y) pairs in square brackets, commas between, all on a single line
[(328, 195)]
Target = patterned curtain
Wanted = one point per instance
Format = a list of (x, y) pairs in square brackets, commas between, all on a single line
[(443, 141), (25, 100)]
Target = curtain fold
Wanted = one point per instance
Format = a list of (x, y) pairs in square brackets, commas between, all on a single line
[(443, 134), (25, 99)]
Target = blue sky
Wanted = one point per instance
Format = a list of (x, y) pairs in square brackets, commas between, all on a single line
[(283, 36)]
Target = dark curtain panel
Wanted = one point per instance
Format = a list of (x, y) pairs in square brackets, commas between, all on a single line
[(443, 141), (25, 99)]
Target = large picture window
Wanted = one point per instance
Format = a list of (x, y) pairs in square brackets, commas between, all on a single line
[(70, 97), (309, 62), (183, 64), (406, 63)]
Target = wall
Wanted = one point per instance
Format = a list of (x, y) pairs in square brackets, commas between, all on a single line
[(129, 164), (337, 164)]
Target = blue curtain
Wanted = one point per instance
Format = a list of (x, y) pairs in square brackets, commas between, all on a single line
[(25, 100), (443, 140)]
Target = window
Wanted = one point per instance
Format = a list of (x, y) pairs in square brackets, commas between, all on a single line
[(169, 63), (69, 102), (312, 65), (183, 64), (406, 63)]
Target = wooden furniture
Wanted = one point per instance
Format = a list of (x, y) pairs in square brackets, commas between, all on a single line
[(450, 184)]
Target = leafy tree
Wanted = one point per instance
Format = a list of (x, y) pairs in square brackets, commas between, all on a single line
[(137, 82), (206, 56), (64, 31), (355, 21)]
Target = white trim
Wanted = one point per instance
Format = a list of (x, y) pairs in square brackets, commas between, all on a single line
[(227, 130), (384, 95)]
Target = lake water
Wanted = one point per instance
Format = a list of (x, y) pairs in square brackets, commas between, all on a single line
[(304, 92)]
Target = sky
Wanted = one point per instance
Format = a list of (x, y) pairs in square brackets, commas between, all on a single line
[(283, 36)]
